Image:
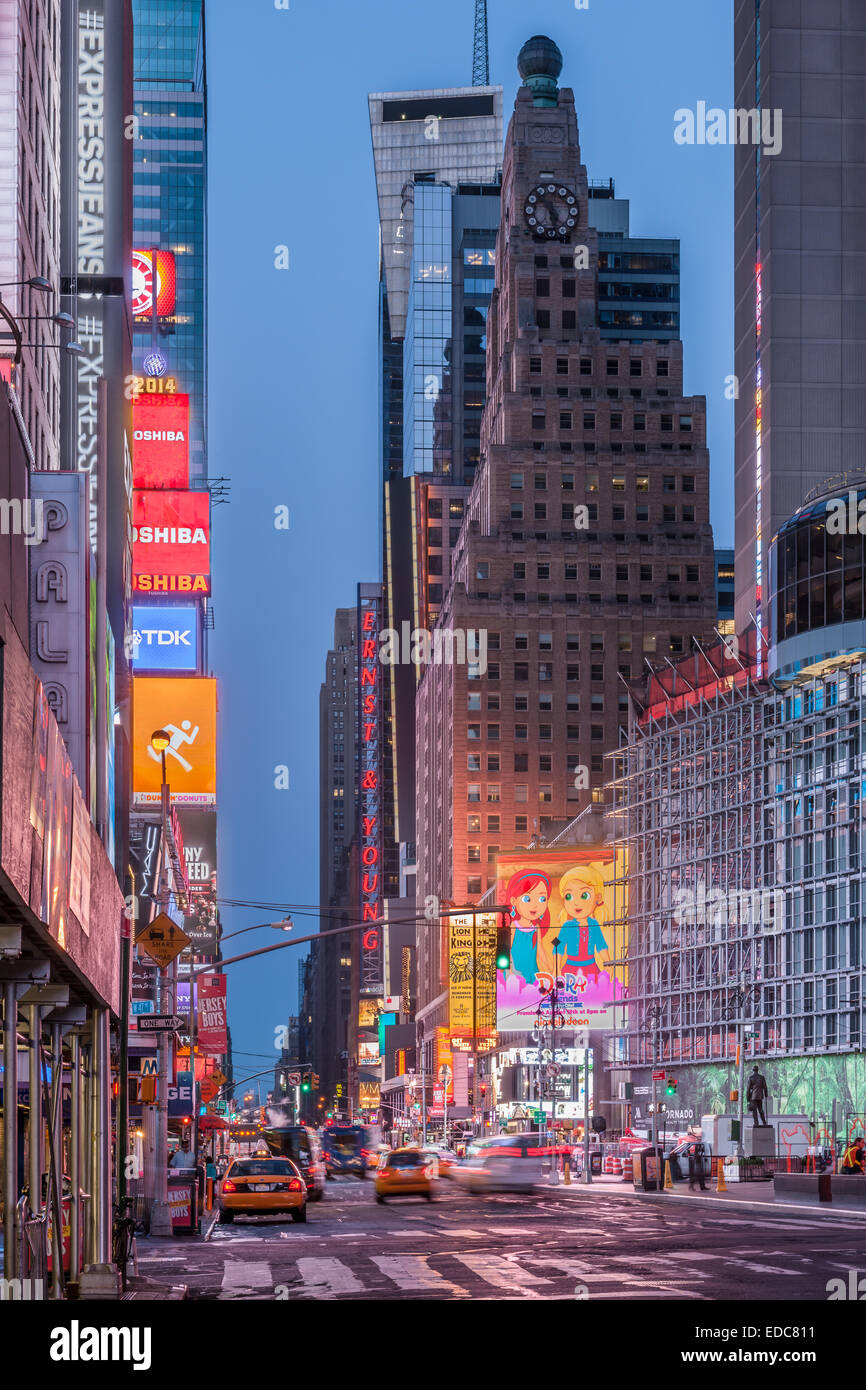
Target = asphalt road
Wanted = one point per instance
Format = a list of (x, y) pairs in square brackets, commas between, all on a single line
[(545, 1245)]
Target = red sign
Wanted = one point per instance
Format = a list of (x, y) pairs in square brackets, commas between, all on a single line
[(212, 1021), (658, 1076), (160, 441), (142, 284), (171, 542), (370, 891)]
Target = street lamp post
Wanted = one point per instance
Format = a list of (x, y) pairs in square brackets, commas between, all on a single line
[(160, 1212)]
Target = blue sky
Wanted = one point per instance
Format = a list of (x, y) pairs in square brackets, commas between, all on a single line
[(293, 353)]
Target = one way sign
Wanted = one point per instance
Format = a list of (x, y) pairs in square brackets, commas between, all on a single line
[(160, 1023)]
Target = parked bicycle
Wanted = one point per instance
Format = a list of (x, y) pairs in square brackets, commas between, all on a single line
[(123, 1245)]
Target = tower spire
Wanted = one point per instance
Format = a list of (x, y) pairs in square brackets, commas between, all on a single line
[(480, 57)]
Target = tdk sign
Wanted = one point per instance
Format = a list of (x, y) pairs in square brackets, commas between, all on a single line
[(164, 639)]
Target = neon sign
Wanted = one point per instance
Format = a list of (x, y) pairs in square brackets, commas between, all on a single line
[(369, 789)]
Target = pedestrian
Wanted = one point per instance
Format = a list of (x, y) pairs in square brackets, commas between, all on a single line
[(855, 1157), (182, 1157), (696, 1166)]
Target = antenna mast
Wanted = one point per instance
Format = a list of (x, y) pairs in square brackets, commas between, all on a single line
[(480, 57)]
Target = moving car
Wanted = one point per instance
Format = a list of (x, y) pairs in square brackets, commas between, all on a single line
[(445, 1159), (262, 1187), (345, 1149), (300, 1145), (405, 1173), (507, 1163)]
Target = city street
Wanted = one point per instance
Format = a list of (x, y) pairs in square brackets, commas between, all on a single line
[(564, 1245)]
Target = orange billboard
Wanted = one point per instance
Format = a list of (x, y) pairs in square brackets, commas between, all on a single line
[(186, 708)]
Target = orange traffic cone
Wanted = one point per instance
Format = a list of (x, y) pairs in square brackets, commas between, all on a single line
[(721, 1185), (669, 1179)]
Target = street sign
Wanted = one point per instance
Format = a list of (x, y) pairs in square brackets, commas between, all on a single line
[(160, 1023), (445, 1073), (293, 1078), (658, 1076), (163, 940), (553, 1069)]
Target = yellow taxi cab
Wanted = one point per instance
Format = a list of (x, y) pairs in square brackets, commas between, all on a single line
[(262, 1187), (405, 1172)]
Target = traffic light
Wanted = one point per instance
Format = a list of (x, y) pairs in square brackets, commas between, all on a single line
[(503, 944), (305, 1086), (671, 1088), (315, 1079)]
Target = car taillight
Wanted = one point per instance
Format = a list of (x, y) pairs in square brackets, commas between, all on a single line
[(228, 1186), (296, 1185)]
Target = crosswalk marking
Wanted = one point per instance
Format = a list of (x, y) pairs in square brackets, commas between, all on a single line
[(413, 1272), (503, 1274), (327, 1278), (242, 1275)]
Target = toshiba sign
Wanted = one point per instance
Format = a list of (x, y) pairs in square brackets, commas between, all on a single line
[(171, 542), (160, 441)]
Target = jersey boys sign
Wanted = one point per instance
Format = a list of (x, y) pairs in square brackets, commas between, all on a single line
[(171, 542), (370, 788), (160, 441)]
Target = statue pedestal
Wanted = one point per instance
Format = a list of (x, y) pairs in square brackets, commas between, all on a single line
[(759, 1141)]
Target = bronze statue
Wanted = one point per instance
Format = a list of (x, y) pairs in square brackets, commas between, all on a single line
[(756, 1091)]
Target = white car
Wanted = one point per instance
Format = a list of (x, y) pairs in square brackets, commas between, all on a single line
[(508, 1163)]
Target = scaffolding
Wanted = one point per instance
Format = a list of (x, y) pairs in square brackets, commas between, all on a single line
[(739, 806)]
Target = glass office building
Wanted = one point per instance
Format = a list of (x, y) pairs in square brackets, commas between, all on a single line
[(427, 351), (169, 193)]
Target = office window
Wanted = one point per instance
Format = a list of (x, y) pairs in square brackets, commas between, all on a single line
[(565, 419), (662, 367), (612, 366), (562, 366), (545, 793), (635, 367), (545, 639), (494, 792), (473, 825), (542, 288), (540, 482), (586, 366), (535, 366), (589, 419), (473, 791), (521, 791), (473, 854), (518, 570)]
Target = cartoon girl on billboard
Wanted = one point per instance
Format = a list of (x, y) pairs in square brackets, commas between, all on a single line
[(580, 935), (528, 898)]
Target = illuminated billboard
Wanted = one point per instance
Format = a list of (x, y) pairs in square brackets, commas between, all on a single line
[(164, 639), (186, 708), (370, 786), (472, 979), (142, 284), (561, 908), (171, 542), (160, 441)]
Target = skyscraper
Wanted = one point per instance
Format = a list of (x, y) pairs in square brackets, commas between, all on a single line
[(30, 213), (586, 547), (337, 781), (170, 193), (800, 252), (436, 156)]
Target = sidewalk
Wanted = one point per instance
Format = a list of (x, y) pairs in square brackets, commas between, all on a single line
[(141, 1290), (740, 1195)]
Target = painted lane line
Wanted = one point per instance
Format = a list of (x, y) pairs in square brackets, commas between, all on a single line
[(241, 1277)]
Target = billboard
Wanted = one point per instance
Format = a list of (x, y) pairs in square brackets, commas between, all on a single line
[(142, 284), (201, 924), (164, 639), (472, 979), (212, 1023), (171, 542), (160, 441), (185, 706), (561, 905)]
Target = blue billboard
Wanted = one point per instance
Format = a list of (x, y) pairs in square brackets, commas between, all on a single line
[(164, 639)]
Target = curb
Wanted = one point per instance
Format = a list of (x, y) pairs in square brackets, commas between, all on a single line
[(155, 1293), (741, 1204)]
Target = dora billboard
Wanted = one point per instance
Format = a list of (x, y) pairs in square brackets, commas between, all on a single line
[(567, 920)]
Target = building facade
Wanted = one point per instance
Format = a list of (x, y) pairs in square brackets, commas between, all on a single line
[(799, 356), (585, 547), (337, 825)]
